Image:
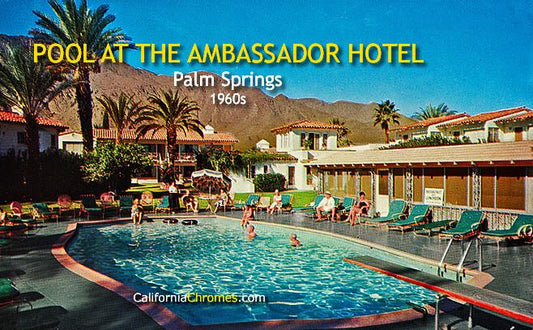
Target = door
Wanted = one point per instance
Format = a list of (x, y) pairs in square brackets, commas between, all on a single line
[(518, 133), (291, 175), (382, 198)]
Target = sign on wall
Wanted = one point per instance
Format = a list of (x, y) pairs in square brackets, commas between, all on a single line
[(434, 196)]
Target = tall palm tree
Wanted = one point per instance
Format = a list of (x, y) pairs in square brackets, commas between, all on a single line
[(121, 111), (341, 132), (30, 87), (82, 26), (431, 111), (170, 112), (386, 115)]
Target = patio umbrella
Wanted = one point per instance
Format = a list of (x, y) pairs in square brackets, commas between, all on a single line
[(210, 181)]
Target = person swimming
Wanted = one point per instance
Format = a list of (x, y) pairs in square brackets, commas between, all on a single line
[(294, 240), (250, 231)]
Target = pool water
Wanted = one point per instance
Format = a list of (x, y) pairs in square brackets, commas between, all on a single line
[(215, 257)]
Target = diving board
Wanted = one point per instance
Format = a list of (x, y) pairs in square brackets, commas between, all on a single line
[(498, 303)]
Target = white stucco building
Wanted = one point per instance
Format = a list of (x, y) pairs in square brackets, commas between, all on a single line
[(13, 133)]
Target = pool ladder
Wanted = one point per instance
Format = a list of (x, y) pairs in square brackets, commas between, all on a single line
[(461, 273)]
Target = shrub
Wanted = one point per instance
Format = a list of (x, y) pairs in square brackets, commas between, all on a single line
[(426, 141), (112, 167), (269, 182)]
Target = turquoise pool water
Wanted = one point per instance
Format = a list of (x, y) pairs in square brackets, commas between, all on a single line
[(310, 282)]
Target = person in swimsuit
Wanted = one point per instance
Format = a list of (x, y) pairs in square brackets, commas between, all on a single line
[(295, 241), (361, 207), (250, 232)]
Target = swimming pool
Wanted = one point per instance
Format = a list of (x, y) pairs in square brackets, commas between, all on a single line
[(214, 257)]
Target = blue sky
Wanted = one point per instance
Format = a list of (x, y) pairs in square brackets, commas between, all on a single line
[(479, 55)]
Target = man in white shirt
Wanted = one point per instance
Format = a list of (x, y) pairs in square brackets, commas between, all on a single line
[(327, 204)]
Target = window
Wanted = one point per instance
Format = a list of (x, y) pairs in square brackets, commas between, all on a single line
[(325, 141), (383, 188), (510, 188), (493, 135), (405, 137), (340, 184), (433, 177), (457, 186), (398, 183), (487, 187), (21, 138), (291, 175), (309, 176), (518, 133), (366, 183), (330, 180), (456, 134), (350, 184), (418, 182), (436, 134), (265, 169), (53, 140), (302, 140)]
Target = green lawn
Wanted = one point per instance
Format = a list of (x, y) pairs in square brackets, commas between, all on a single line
[(300, 198)]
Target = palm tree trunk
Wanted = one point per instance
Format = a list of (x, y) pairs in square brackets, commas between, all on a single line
[(85, 108), (33, 163), (118, 137), (171, 145), (387, 136)]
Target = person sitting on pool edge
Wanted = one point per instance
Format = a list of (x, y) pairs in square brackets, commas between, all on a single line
[(276, 204), (250, 231), (222, 200), (136, 212), (361, 207), (247, 215), (327, 204), (294, 240), (189, 201)]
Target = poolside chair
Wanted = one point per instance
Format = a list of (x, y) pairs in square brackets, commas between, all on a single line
[(125, 203), (164, 204), (252, 200), (312, 206), (65, 204), (286, 203), (89, 206), (469, 225), (17, 210), (263, 203), (428, 229), (418, 215), (521, 229), (347, 204), (312, 213), (8, 293), (41, 211), (396, 211), (107, 200)]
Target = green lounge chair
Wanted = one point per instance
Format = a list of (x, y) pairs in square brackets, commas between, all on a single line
[(418, 215), (396, 211), (88, 206), (286, 203), (521, 229), (469, 225), (313, 205), (164, 204), (428, 229), (347, 204), (252, 200), (8, 293), (312, 213), (125, 203), (42, 212)]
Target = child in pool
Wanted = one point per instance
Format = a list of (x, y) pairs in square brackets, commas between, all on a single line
[(136, 212), (250, 231), (295, 241), (247, 215)]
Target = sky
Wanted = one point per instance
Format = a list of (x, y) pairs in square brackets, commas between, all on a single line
[(478, 55)]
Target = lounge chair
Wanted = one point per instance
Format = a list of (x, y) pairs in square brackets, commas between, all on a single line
[(89, 206), (428, 229), (396, 211), (42, 212), (312, 213), (521, 229), (469, 225), (17, 210), (286, 203), (65, 204), (347, 204), (417, 216), (125, 204), (263, 203), (164, 204), (312, 206), (252, 200), (8, 293), (147, 200)]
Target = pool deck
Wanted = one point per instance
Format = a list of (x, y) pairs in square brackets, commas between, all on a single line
[(58, 294)]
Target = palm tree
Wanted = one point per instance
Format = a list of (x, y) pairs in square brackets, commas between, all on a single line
[(121, 111), (82, 26), (30, 87), (386, 115), (341, 132), (431, 111), (170, 112)]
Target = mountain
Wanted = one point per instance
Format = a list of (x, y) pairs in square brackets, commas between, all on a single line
[(250, 123)]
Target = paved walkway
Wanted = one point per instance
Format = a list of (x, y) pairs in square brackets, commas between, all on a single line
[(76, 303)]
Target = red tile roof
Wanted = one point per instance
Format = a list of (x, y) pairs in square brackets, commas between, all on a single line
[(306, 124), (428, 122), (522, 117), (160, 135), (12, 117), (483, 117)]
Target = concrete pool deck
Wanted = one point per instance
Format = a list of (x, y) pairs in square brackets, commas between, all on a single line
[(79, 303)]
